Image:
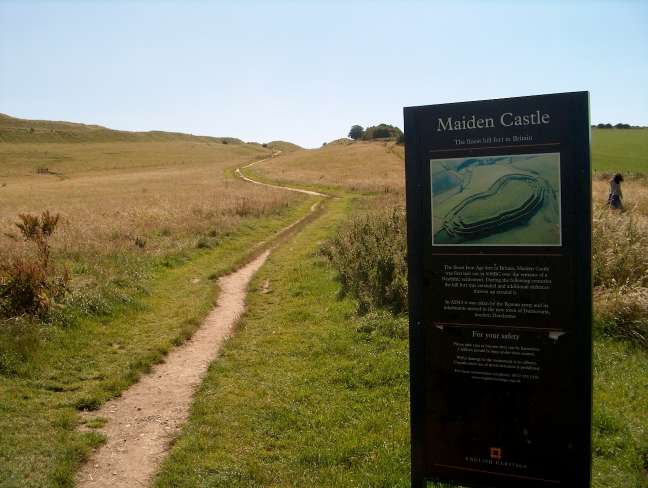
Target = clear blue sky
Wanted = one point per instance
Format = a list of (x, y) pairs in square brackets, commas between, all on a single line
[(306, 71)]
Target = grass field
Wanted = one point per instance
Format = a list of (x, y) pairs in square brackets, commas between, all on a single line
[(110, 193), (619, 150), (360, 166), (126, 206), (308, 392)]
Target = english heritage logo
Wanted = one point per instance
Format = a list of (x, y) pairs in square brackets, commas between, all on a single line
[(496, 453)]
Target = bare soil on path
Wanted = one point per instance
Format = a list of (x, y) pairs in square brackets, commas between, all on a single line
[(143, 421)]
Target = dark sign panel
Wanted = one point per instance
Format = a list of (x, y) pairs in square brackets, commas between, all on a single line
[(499, 235)]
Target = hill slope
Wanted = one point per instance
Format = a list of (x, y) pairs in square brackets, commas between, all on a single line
[(378, 165), (283, 146), (363, 166), (23, 130)]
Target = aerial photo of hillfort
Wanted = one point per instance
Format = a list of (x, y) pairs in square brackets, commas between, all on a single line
[(496, 200)]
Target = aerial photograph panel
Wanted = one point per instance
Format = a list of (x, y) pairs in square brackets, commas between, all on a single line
[(509, 200)]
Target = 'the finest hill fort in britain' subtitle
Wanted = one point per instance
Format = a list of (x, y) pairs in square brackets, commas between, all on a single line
[(507, 119)]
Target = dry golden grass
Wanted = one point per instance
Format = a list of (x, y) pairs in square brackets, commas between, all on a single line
[(360, 166), (635, 191), (111, 193), (125, 203), (620, 260), (623, 312), (74, 159)]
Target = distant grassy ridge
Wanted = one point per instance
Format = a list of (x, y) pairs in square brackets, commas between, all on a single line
[(17, 130), (22, 130), (283, 146)]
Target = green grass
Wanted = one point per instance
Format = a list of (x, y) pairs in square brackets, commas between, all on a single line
[(620, 424), (309, 394), (306, 393), (619, 150), (63, 369)]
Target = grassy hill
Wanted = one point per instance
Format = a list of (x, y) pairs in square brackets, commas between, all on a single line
[(362, 166), (23, 130), (283, 146)]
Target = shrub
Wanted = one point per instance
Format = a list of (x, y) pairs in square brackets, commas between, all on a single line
[(356, 132), (382, 131), (30, 284), (370, 256), (38, 230)]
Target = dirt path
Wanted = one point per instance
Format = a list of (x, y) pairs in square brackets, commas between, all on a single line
[(149, 414), (143, 421), (250, 180)]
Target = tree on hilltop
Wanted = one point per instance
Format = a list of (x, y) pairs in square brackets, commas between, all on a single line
[(382, 131), (356, 132)]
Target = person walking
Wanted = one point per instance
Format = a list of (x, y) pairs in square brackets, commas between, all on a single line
[(615, 199)]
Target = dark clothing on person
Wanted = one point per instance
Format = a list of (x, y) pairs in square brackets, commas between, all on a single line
[(615, 199)]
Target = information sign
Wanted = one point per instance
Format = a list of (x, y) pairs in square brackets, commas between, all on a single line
[(499, 246)]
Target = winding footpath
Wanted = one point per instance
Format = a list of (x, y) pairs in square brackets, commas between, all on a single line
[(144, 420), (250, 180)]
